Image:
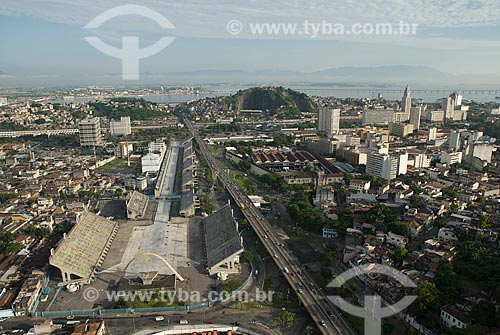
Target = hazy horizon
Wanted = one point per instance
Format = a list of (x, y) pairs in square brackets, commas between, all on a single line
[(456, 43)]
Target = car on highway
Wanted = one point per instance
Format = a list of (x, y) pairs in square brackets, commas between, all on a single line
[(329, 313), (321, 322)]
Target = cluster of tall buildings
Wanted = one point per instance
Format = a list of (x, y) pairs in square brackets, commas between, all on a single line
[(370, 145), (91, 133), (452, 110), (470, 146)]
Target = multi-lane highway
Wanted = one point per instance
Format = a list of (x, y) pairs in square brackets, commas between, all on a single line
[(321, 309)]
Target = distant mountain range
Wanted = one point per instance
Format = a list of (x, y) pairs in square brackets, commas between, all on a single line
[(396, 75)]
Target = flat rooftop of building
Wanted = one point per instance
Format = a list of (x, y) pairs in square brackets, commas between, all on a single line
[(222, 238), (138, 202)]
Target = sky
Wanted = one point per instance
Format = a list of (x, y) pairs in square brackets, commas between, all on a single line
[(43, 42)]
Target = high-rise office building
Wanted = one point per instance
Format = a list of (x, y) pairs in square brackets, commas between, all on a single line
[(454, 140), (90, 132), (120, 127), (415, 116), (406, 103), (386, 166), (401, 129), (448, 108), (432, 134), (450, 158), (457, 98), (483, 151), (328, 121)]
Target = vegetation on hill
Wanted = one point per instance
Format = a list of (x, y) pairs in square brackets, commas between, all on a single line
[(137, 109), (271, 99)]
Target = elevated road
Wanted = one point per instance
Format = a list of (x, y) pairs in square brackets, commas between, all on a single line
[(39, 132), (321, 309)]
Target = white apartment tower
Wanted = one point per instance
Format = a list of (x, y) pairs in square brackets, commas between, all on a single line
[(432, 134), (415, 116), (457, 98), (328, 121), (386, 166), (120, 127), (90, 132)]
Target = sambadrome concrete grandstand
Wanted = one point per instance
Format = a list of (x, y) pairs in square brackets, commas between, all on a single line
[(82, 251)]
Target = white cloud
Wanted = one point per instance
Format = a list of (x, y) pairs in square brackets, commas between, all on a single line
[(201, 17)]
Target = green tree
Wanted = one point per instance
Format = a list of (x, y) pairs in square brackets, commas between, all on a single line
[(243, 223), (398, 228), (400, 253), (37, 232), (471, 330), (328, 257), (6, 236), (486, 221), (244, 166), (278, 299), (6, 196), (387, 329), (118, 192), (440, 222), (119, 304), (446, 278), (13, 248), (305, 215), (382, 212), (411, 331), (247, 256), (427, 298), (484, 312), (309, 330), (284, 320)]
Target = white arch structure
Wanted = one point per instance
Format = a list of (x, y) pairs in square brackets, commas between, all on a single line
[(148, 255)]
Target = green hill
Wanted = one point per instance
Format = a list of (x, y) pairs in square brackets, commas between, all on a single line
[(270, 99)]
